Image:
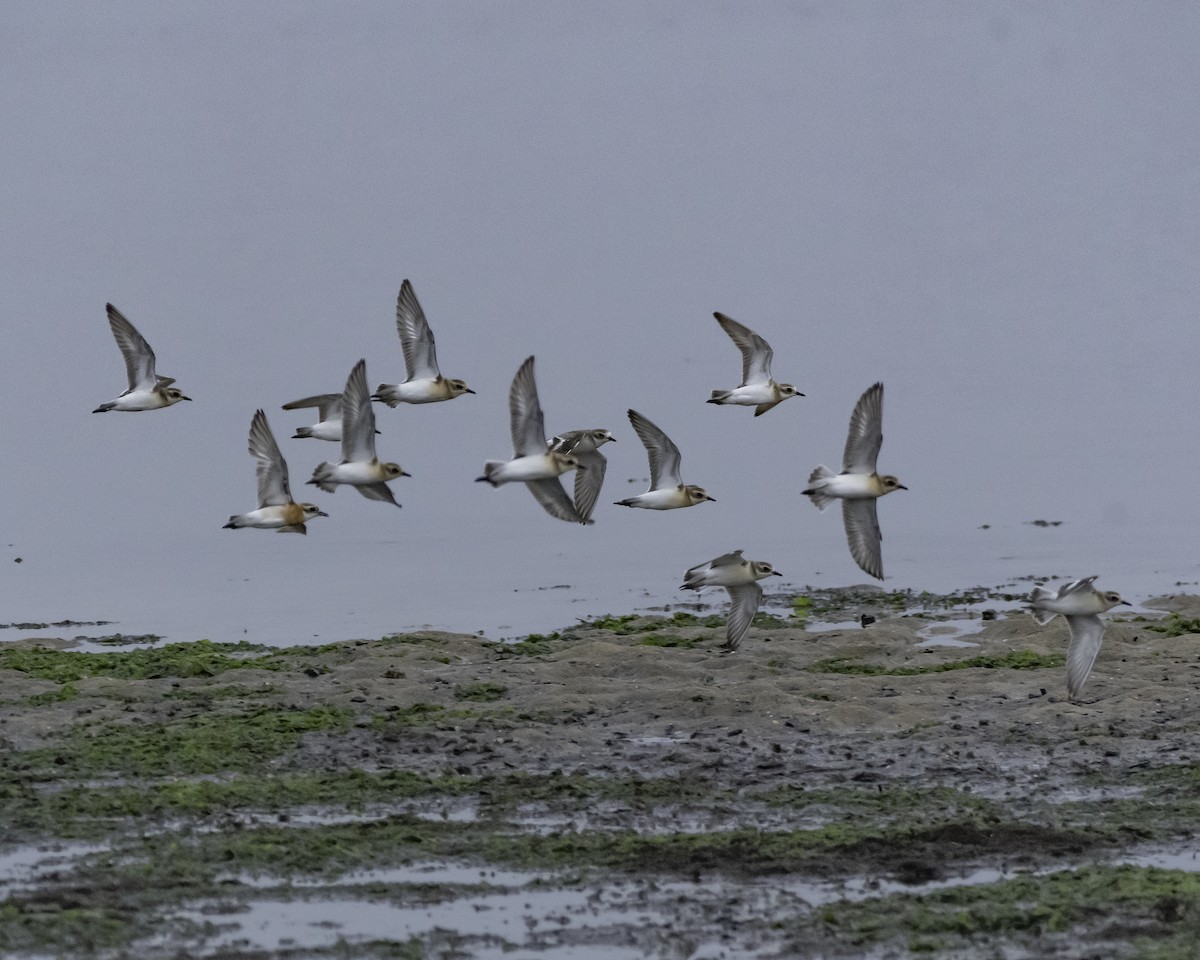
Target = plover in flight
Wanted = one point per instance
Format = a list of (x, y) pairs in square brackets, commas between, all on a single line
[(584, 446), (329, 417), (533, 462), (1080, 604), (758, 388), (425, 383), (359, 466), (276, 508), (738, 577), (858, 486), (667, 489), (147, 390)]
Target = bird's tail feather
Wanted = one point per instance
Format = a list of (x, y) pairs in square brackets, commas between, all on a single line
[(816, 481), (321, 477)]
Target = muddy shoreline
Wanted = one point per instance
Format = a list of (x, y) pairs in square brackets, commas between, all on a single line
[(620, 788)]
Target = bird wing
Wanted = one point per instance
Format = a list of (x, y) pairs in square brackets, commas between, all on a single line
[(270, 467), (550, 494), (863, 536), (756, 352), (662, 452), (420, 357), (377, 491), (327, 404), (1086, 635), (866, 432), (1075, 586), (694, 577), (565, 442), (1042, 616), (745, 599), (726, 560), (588, 482), (525, 413), (358, 419), (139, 358)]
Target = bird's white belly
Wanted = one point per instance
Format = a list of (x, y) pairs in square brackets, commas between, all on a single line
[(534, 467), (265, 517), (851, 486), (356, 473), (752, 393), (138, 400), (326, 430), (419, 391), (667, 499)]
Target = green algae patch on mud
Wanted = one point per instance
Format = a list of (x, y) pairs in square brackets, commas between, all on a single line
[(534, 645), (334, 849), (835, 849), (201, 658), (60, 694), (69, 927), (1016, 660), (1174, 625), (92, 812), (95, 812), (484, 691), (203, 743), (1098, 907)]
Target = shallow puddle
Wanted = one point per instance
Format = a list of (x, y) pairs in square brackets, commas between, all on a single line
[(25, 867)]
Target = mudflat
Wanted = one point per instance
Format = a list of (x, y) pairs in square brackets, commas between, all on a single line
[(621, 788)]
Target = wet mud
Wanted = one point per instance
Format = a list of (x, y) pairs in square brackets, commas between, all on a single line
[(915, 787)]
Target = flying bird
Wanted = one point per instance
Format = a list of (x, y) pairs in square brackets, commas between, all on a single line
[(585, 445), (147, 390), (359, 466), (1080, 604), (329, 417), (858, 486), (758, 388), (738, 577), (667, 489), (276, 508), (533, 462), (425, 383)]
